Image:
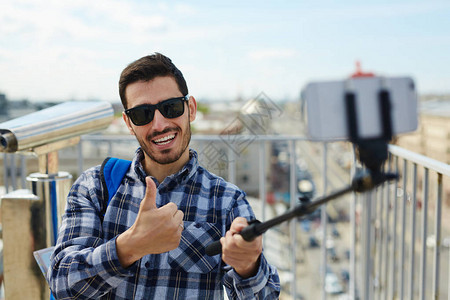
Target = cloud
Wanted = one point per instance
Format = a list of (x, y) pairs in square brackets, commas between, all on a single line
[(53, 47), (376, 11), (82, 19), (271, 53)]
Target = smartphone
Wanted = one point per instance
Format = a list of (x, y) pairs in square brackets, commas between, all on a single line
[(326, 107)]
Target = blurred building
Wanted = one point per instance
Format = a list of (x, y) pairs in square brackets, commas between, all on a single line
[(432, 138), (3, 105)]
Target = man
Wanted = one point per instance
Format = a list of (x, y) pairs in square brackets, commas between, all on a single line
[(150, 243)]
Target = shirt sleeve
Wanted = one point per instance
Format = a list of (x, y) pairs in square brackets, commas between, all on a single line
[(83, 265), (266, 283)]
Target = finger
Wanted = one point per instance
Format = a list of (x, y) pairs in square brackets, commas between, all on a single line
[(237, 251), (249, 246), (230, 250), (238, 243), (170, 209), (228, 240), (223, 242), (178, 217), (181, 226), (238, 224), (149, 201)]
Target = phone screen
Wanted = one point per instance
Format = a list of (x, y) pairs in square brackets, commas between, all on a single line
[(326, 108)]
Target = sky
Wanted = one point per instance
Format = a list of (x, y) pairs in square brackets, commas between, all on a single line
[(57, 50)]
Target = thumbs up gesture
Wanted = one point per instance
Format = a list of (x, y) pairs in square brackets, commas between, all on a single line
[(156, 230)]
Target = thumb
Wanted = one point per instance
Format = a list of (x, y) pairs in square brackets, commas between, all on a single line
[(149, 201)]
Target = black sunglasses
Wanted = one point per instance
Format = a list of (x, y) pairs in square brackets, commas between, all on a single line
[(170, 109)]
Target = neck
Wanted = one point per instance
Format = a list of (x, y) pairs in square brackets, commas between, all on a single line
[(161, 171)]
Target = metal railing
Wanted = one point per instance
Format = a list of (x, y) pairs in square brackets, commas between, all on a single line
[(400, 245), (388, 252)]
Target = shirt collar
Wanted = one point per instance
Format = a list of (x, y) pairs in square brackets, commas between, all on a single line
[(171, 181)]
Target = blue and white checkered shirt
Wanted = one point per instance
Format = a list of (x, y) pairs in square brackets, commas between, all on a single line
[(85, 263)]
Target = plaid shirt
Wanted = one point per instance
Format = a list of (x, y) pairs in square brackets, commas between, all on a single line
[(85, 263)]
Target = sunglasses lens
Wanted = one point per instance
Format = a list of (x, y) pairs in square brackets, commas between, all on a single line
[(141, 115), (172, 108)]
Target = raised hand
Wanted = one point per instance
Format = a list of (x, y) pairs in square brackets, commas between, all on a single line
[(156, 230)]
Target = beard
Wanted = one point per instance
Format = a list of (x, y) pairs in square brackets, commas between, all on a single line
[(167, 156)]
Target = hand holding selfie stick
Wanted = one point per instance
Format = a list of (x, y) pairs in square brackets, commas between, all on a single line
[(372, 153)]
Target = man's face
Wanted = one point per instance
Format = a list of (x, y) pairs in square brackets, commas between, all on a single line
[(163, 140)]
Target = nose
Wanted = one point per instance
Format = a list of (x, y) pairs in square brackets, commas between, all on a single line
[(159, 122)]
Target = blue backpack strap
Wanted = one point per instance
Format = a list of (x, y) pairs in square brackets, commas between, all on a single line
[(112, 172)]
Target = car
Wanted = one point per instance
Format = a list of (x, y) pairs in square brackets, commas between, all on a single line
[(335, 232), (431, 241), (306, 187), (345, 275), (313, 242), (305, 224), (347, 297), (332, 285), (332, 254), (347, 254)]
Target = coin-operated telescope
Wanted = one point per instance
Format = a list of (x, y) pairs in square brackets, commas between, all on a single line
[(57, 123), (31, 218)]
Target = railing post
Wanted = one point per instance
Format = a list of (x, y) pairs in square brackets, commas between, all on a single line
[(423, 261), (293, 222), (403, 229), (80, 157), (231, 165), (367, 257), (394, 242), (413, 234), (5, 172), (12, 170), (324, 219), (386, 227), (23, 171), (262, 178), (437, 247), (379, 238), (352, 286)]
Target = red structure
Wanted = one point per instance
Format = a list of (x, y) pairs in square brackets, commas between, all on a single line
[(360, 73)]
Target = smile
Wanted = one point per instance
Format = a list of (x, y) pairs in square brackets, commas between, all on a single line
[(164, 140)]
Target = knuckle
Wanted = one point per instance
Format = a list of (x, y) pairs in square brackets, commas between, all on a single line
[(172, 205)]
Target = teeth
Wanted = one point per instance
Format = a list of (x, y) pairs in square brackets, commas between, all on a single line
[(165, 140)]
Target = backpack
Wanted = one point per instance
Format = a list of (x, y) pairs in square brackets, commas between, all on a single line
[(112, 166)]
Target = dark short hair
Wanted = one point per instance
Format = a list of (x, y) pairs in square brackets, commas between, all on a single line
[(148, 68)]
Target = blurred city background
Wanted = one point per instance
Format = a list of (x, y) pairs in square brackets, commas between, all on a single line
[(246, 64)]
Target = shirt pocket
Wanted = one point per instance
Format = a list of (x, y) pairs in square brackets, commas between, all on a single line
[(190, 255)]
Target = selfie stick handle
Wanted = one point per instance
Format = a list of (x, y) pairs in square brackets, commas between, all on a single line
[(361, 183)]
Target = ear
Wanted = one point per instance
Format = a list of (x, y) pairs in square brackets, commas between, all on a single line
[(128, 123), (192, 108)]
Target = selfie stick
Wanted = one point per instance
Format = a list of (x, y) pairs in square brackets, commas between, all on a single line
[(372, 153), (360, 183)]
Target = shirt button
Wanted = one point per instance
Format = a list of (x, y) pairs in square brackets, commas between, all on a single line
[(147, 265)]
